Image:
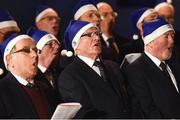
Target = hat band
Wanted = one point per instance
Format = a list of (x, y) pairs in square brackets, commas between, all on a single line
[(41, 14), (145, 14), (158, 32), (11, 44), (46, 38), (76, 38), (84, 9), (10, 23)]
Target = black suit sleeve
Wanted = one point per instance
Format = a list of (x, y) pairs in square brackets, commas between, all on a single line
[(72, 90), (141, 91)]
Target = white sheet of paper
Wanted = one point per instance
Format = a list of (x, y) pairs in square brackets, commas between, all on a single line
[(66, 110)]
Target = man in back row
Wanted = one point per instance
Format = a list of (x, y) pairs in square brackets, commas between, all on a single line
[(7, 26)]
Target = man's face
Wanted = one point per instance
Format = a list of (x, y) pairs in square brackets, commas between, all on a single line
[(49, 52), (5, 32), (107, 17), (49, 23), (23, 59), (167, 13), (91, 16), (90, 45), (163, 45)]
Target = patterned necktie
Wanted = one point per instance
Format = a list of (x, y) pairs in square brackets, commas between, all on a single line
[(164, 69), (99, 65)]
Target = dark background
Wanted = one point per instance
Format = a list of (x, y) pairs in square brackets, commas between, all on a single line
[(24, 11)]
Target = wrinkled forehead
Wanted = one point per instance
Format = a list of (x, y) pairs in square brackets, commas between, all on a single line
[(105, 8), (90, 12), (25, 43), (93, 29), (54, 14)]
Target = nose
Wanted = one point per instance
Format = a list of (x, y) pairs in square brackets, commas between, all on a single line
[(34, 54), (171, 39)]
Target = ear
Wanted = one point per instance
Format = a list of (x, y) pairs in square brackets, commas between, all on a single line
[(9, 61)]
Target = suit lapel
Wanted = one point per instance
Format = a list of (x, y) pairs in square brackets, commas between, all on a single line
[(160, 78), (91, 77), (15, 88)]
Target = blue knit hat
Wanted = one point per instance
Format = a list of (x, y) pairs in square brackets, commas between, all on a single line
[(74, 31), (154, 29), (42, 10), (139, 15), (6, 20), (41, 37), (7, 45), (83, 6)]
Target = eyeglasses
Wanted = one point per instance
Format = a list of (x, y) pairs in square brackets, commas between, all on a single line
[(27, 50), (51, 43), (91, 34), (50, 18)]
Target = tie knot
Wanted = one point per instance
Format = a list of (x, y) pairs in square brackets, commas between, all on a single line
[(163, 65), (97, 63), (30, 85)]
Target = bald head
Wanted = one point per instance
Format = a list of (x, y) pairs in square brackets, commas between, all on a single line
[(167, 11)]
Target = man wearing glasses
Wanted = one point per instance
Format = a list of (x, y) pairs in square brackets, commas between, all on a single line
[(47, 19), (49, 48), (94, 83), (21, 95)]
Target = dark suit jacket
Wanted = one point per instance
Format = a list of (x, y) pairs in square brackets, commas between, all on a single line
[(56, 98), (108, 53), (2, 67), (156, 94), (15, 102), (99, 99)]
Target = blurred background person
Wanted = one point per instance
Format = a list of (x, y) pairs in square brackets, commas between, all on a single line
[(7, 26), (48, 59), (112, 42), (137, 18), (47, 19), (166, 10)]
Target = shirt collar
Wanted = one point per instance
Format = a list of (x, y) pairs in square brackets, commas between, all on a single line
[(43, 69), (105, 38), (21, 80), (88, 61), (153, 58)]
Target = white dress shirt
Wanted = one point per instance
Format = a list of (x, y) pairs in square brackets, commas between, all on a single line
[(22, 80), (90, 63)]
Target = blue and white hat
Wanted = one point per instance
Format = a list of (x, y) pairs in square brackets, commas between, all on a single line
[(74, 31), (43, 10), (41, 37), (7, 45), (139, 15), (162, 3), (6, 20), (83, 6), (154, 29)]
